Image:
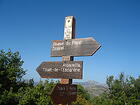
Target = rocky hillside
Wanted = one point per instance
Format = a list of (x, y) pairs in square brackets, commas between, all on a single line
[(94, 88)]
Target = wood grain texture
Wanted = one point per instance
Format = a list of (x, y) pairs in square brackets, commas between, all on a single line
[(69, 33), (64, 69), (74, 47), (64, 93)]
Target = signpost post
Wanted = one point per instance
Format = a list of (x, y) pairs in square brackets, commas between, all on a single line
[(67, 69), (69, 33)]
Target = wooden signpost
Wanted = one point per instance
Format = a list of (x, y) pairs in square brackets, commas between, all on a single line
[(65, 92)]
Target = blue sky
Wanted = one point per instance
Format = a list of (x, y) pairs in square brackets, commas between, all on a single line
[(28, 26)]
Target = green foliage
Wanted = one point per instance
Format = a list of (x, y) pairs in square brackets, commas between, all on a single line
[(37, 95), (83, 97), (8, 98), (121, 91), (82, 92), (16, 91), (81, 101), (11, 71)]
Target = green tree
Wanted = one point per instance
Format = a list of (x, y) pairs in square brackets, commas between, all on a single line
[(11, 73), (123, 91), (11, 70), (83, 97), (37, 95), (16, 91)]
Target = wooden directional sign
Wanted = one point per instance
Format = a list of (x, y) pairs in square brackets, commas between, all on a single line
[(64, 69), (64, 94), (74, 47)]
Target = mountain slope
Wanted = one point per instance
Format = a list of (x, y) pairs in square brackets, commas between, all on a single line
[(93, 88)]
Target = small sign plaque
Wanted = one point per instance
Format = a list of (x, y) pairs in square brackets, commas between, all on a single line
[(64, 93)]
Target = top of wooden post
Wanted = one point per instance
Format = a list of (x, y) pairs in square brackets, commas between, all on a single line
[(69, 28)]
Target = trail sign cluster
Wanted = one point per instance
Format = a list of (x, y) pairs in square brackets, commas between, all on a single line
[(67, 69)]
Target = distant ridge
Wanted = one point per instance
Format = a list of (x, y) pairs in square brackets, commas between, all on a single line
[(93, 88)]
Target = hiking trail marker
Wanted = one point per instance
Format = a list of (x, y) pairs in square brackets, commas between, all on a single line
[(65, 92), (65, 69), (74, 47)]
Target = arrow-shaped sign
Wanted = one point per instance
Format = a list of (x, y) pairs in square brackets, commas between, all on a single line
[(74, 47), (64, 69)]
